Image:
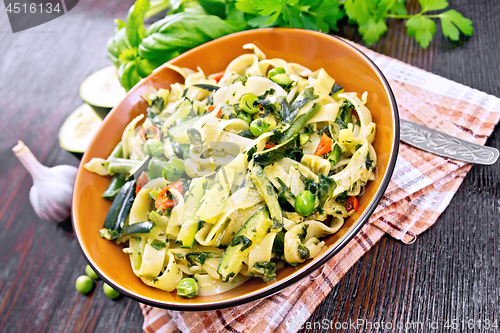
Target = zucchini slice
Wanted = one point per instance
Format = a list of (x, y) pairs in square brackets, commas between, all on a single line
[(102, 90), (250, 234), (193, 202), (179, 134), (78, 129), (259, 178)]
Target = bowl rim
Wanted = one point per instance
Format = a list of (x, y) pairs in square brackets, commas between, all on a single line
[(317, 263)]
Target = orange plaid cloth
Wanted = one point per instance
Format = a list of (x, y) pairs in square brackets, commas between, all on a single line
[(421, 188)]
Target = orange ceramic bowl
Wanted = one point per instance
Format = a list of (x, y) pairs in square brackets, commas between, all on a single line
[(347, 65)]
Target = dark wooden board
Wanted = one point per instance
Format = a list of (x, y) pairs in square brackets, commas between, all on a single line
[(451, 272)]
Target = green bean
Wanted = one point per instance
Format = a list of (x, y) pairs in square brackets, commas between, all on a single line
[(114, 186), (187, 288), (334, 155), (118, 151), (121, 165), (84, 284), (299, 123)]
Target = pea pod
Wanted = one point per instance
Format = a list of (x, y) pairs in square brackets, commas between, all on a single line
[(117, 152), (121, 165), (114, 186)]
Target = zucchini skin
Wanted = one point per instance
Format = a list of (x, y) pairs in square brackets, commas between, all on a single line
[(252, 232), (193, 202), (118, 212), (114, 186), (259, 178)]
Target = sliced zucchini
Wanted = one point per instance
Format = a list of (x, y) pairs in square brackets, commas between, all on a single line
[(193, 202), (78, 129), (179, 134), (259, 178), (251, 233), (102, 90)]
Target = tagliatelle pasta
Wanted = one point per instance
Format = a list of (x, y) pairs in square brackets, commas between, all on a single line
[(236, 174)]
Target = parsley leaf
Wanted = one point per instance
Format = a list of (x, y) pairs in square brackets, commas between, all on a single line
[(422, 28), (452, 21), (428, 5)]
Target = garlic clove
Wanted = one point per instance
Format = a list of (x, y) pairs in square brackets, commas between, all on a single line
[(52, 189)]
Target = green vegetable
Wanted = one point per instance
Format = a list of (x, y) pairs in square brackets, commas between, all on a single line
[(245, 117), (281, 79), (334, 155), (344, 117), (90, 273), (153, 147), (276, 71), (117, 151), (121, 165), (120, 208), (208, 87), (201, 257), (114, 186), (156, 165), (259, 126), (182, 120), (137, 51), (266, 189), (299, 123), (187, 287), (110, 292), (247, 103), (304, 203), (304, 138), (178, 133), (326, 186), (173, 170), (252, 232), (265, 270), (136, 228), (154, 193), (84, 284), (276, 153), (193, 202)]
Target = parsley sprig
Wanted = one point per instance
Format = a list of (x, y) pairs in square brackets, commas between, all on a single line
[(369, 15)]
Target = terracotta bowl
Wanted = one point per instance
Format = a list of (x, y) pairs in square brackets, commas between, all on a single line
[(347, 65)]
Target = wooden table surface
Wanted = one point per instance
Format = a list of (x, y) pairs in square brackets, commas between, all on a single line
[(450, 273)]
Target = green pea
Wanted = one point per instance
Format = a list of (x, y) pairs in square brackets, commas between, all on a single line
[(304, 203), (110, 292), (173, 170), (259, 127), (156, 165), (90, 273), (181, 120), (153, 147), (276, 71), (246, 103), (245, 117), (84, 284), (187, 288), (281, 79)]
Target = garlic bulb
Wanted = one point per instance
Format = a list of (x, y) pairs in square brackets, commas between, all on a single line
[(52, 189)]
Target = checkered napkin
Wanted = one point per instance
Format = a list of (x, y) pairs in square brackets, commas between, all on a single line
[(420, 189)]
